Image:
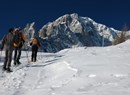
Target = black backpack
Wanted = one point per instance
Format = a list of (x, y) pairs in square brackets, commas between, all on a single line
[(17, 39)]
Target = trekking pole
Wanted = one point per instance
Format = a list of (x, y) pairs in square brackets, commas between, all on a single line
[(27, 55), (2, 75), (1, 56)]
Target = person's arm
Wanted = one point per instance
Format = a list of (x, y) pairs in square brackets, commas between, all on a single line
[(31, 44), (39, 45), (3, 42), (23, 37)]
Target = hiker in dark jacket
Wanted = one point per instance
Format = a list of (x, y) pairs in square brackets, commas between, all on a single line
[(19, 41), (7, 44), (35, 45)]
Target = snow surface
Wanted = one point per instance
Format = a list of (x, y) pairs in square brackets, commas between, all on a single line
[(76, 71)]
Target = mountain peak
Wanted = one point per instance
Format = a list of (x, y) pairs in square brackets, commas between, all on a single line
[(73, 30)]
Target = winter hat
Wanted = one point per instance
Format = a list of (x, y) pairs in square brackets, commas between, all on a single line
[(11, 29)]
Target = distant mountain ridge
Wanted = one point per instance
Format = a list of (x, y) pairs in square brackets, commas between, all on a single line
[(73, 30)]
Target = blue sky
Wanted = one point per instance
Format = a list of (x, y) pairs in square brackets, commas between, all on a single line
[(112, 13)]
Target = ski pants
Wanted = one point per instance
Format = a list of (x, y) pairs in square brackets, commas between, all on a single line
[(34, 53), (17, 54), (8, 58)]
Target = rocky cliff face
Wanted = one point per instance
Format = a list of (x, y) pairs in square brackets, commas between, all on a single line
[(73, 30), (29, 32)]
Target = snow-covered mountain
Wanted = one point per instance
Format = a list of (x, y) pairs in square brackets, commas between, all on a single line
[(73, 30), (29, 32)]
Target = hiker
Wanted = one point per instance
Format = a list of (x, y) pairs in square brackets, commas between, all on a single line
[(19, 42), (7, 44), (35, 45)]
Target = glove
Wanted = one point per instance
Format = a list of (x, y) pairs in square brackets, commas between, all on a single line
[(23, 41), (30, 44)]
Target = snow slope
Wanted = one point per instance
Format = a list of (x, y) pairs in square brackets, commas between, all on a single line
[(76, 71)]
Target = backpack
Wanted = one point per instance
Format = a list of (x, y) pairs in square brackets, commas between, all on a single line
[(18, 38), (35, 42)]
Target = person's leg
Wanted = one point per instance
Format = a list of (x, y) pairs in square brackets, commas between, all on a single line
[(9, 60), (15, 56), (36, 50), (5, 60), (33, 54), (18, 56)]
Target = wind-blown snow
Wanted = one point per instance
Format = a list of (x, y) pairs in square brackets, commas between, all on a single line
[(76, 71)]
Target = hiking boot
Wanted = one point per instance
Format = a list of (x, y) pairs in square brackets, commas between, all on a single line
[(9, 70), (15, 63), (18, 62), (4, 69)]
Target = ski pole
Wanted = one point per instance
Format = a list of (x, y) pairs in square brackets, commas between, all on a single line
[(27, 55), (1, 56)]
